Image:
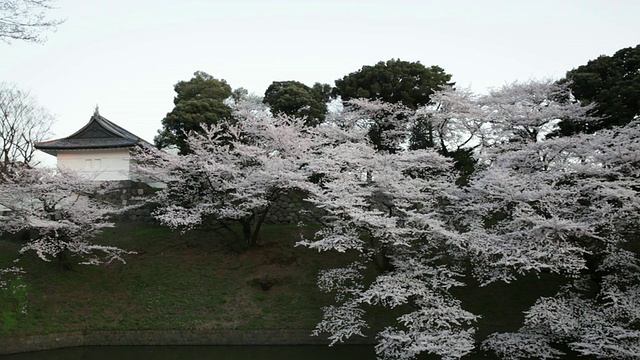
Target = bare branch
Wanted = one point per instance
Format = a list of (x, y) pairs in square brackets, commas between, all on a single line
[(26, 20), (24, 122)]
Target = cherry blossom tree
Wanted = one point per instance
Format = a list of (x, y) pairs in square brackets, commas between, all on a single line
[(236, 170), (454, 124), (527, 112), (63, 209), (579, 211), (452, 121), (566, 206), (384, 206), (386, 122)]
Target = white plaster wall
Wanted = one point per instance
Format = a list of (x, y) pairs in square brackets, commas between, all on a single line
[(108, 164)]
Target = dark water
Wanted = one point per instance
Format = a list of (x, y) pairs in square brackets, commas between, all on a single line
[(200, 352), (303, 352)]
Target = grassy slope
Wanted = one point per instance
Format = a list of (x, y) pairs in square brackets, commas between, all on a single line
[(198, 281), (175, 281)]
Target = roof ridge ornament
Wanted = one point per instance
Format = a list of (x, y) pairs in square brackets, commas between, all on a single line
[(96, 112)]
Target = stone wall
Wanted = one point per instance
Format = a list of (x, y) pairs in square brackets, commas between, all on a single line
[(133, 193), (291, 208), (126, 191), (170, 337)]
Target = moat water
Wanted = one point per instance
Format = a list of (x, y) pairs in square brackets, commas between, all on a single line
[(311, 352)]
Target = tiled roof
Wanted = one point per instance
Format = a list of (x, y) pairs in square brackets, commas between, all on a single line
[(99, 133)]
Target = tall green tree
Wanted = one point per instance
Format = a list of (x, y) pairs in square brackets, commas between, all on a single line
[(198, 102), (612, 85), (294, 98), (393, 81), (410, 83), (322, 91)]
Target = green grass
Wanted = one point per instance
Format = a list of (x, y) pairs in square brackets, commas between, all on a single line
[(196, 280), (200, 280)]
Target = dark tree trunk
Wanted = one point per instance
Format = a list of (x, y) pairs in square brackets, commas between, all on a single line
[(382, 261), (64, 260), (247, 234)]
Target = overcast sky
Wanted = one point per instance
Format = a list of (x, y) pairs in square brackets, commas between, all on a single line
[(126, 55)]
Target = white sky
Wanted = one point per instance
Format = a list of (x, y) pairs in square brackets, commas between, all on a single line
[(126, 55)]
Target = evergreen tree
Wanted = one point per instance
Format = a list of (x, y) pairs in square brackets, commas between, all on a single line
[(199, 101)]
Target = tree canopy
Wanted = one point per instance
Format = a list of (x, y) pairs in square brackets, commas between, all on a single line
[(409, 83), (453, 125), (235, 170), (567, 206), (294, 98), (536, 205), (199, 101), (65, 210), (612, 85), (384, 206), (527, 112)]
